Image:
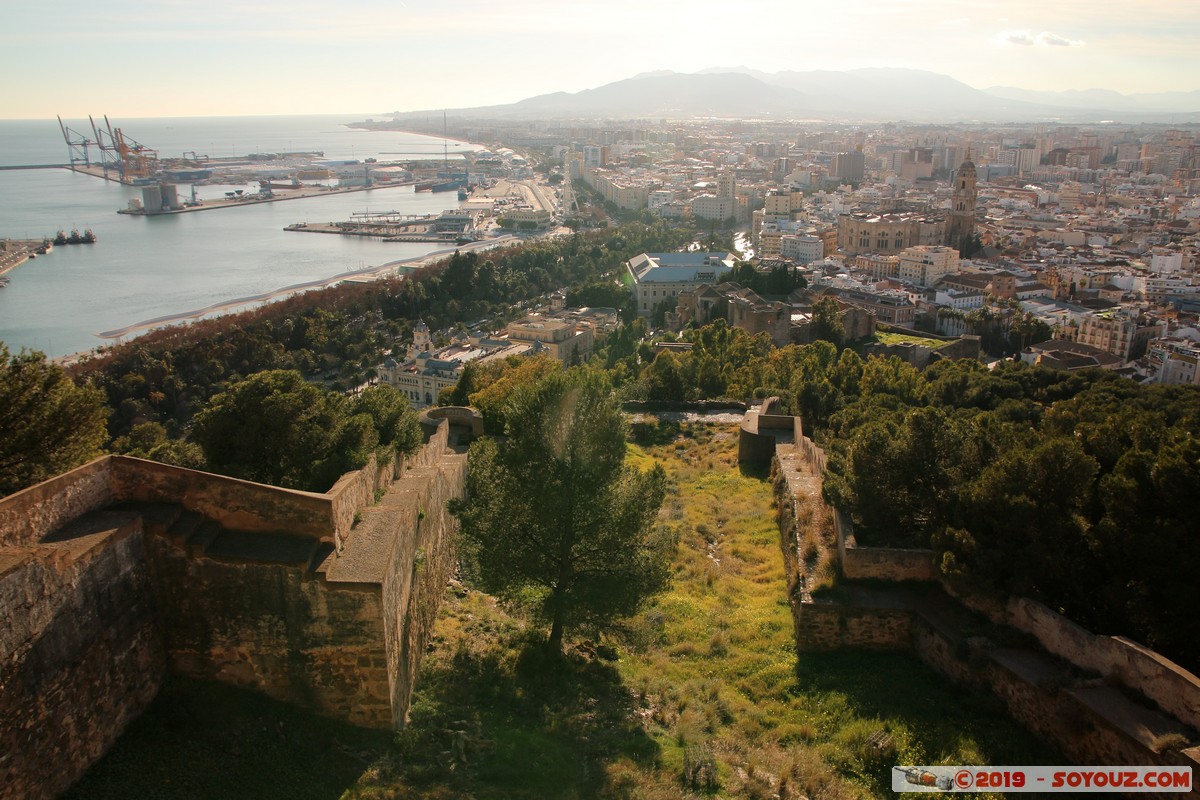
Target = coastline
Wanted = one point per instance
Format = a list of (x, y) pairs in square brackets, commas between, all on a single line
[(370, 273), (359, 126)]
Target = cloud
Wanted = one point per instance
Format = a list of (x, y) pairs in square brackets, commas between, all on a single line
[(1054, 40), (1043, 39)]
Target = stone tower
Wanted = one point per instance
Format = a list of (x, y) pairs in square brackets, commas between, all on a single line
[(960, 225)]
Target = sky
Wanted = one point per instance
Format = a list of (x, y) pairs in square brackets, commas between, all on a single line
[(186, 58)]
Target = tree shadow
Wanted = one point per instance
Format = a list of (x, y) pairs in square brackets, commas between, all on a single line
[(655, 434), (514, 721)]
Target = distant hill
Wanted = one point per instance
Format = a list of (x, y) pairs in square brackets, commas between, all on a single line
[(854, 95), (1091, 99)]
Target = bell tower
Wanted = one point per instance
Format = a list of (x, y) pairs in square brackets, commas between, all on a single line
[(960, 225)]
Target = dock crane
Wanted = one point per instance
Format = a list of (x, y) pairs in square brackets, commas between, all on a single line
[(109, 158), (139, 161), (78, 146), (124, 155)]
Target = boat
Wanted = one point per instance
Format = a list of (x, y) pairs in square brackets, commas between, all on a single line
[(60, 238), (425, 186), (449, 186), (88, 237), (463, 194), (75, 237)]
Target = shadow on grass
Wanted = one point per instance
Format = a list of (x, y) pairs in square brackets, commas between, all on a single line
[(758, 472), (655, 434), (936, 719), (201, 739), (515, 722)]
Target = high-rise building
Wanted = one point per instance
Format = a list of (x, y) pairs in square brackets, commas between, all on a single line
[(849, 166), (726, 186)]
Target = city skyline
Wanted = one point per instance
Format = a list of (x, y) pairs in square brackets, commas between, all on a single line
[(189, 59)]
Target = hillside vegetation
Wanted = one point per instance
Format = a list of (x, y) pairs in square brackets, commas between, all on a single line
[(700, 693)]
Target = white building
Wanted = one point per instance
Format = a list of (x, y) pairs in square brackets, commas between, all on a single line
[(802, 249), (657, 276)]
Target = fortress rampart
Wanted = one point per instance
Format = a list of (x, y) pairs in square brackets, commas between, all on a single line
[(116, 573), (1098, 699)]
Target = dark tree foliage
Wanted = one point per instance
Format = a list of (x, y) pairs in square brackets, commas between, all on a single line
[(275, 427), (779, 280), (48, 424), (555, 518), (827, 321)]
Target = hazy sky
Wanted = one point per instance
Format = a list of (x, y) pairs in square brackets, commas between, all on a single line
[(186, 58)]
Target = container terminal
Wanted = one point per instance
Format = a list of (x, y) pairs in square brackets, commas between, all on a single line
[(111, 154)]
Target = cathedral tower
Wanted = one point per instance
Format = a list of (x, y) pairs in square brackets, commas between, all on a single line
[(960, 225)]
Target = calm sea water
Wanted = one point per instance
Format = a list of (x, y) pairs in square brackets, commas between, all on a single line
[(144, 268)]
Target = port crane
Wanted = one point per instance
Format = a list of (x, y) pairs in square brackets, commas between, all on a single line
[(123, 155), (78, 146)]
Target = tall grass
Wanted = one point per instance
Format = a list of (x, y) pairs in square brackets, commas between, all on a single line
[(705, 678)]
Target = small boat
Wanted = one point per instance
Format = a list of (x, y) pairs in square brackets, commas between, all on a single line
[(75, 237), (60, 238), (88, 237)]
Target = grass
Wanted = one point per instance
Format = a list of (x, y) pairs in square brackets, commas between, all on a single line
[(887, 337), (706, 675)]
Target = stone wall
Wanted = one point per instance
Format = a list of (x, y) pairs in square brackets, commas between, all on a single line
[(276, 628), (230, 502), (412, 592), (123, 568), (1052, 691), (80, 651), (831, 626), (1171, 687), (28, 515), (357, 490)]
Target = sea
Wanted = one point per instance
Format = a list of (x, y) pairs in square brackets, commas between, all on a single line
[(146, 268)]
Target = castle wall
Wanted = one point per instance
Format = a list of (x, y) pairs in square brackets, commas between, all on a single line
[(1171, 687), (424, 562), (28, 515), (100, 596), (277, 629), (1087, 719), (80, 650), (231, 502)]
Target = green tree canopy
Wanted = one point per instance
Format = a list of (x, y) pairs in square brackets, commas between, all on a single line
[(277, 428), (554, 517), (47, 423)]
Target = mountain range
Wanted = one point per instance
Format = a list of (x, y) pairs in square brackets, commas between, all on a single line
[(855, 95)]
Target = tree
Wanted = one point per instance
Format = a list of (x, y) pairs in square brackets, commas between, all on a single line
[(275, 427), (47, 423), (827, 321), (554, 517)]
